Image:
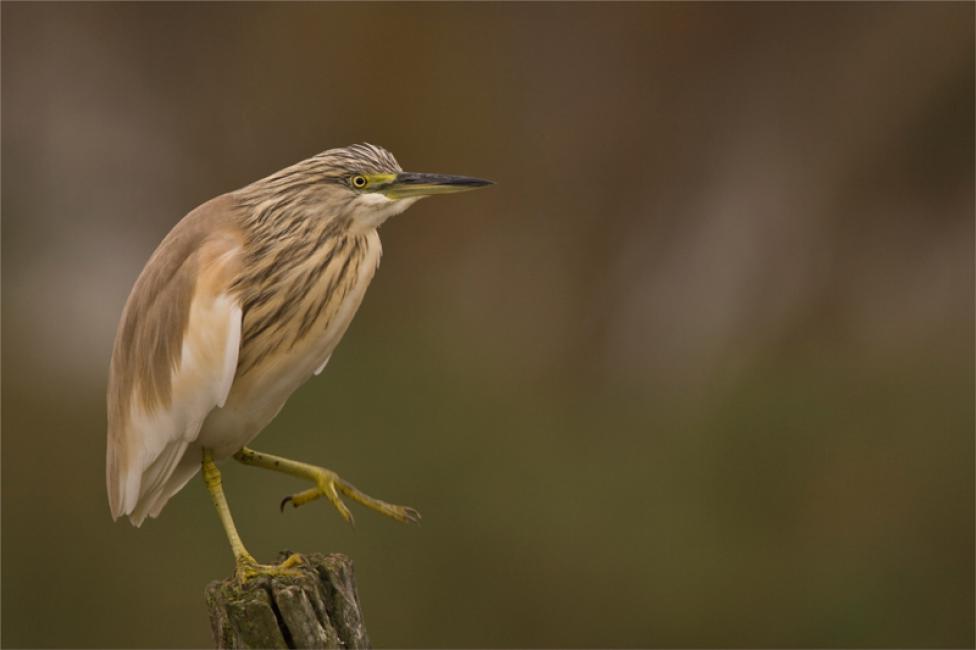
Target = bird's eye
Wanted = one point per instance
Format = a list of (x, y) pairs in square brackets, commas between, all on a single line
[(359, 182)]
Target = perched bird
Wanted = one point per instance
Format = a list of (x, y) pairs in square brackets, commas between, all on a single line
[(244, 301)]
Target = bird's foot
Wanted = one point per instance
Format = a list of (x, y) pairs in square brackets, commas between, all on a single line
[(247, 568), (328, 484)]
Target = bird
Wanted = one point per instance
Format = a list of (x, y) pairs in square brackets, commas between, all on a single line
[(242, 302)]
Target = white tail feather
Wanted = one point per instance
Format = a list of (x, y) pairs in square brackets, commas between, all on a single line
[(154, 479)]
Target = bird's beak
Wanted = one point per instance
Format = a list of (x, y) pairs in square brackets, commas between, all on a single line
[(410, 185)]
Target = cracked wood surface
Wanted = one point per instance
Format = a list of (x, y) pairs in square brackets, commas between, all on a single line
[(319, 608)]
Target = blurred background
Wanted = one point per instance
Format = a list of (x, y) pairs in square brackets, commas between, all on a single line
[(698, 371)]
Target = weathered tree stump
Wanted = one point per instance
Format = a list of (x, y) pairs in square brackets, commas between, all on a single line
[(317, 609)]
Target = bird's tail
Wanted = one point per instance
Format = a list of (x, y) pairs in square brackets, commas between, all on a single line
[(141, 492)]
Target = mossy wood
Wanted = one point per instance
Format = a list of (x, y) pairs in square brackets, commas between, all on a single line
[(318, 608)]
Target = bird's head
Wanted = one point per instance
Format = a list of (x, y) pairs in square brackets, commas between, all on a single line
[(367, 184)]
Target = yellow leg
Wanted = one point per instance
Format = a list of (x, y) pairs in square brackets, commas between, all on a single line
[(247, 566), (327, 484)]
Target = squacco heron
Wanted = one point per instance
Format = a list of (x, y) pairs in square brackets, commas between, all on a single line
[(243, 301)]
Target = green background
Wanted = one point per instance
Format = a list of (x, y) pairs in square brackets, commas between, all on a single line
[(697, 371)]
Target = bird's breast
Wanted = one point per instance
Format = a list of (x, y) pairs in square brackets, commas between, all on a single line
[(294, 316)]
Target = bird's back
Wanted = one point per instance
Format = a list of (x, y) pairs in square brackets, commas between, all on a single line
[(163, 377)]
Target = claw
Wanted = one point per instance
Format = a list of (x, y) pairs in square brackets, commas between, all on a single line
[(411, 515)]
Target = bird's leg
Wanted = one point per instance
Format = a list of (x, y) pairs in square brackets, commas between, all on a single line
[(247, 566), (211, 476), (327, 484)]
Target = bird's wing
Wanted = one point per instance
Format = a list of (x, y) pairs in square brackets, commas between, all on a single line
[(174, 358)]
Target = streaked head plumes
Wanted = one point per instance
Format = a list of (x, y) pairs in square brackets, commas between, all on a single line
[(361, 186)]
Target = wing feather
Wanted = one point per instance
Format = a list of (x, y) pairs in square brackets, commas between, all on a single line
[(158, 400)]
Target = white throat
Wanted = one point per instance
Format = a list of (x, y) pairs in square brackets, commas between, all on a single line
[(371, 210)]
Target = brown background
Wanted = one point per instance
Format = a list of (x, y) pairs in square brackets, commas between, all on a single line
[(698, 371)]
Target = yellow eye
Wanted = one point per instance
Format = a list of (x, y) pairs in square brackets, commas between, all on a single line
[(359, 182)]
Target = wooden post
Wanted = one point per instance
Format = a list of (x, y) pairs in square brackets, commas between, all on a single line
[(317, 609)]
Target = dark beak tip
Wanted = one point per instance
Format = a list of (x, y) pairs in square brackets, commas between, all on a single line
[(473, 182)]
